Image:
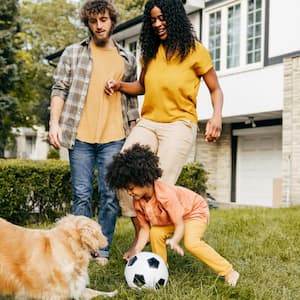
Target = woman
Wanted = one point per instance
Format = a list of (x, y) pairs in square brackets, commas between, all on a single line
[(173, 62)]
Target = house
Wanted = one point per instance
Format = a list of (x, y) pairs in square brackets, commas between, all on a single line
[(256, 53), (30, 143)]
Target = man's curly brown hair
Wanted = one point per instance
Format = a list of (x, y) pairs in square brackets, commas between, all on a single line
[(92, 7), (136, 165)]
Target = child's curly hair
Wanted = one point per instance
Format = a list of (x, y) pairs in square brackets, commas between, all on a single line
[(137, 165)]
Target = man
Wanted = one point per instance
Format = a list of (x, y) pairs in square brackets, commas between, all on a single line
[(84, 119)]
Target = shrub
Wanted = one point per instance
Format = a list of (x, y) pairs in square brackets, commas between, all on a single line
[(53, 154), (34, 188), (194, 177)]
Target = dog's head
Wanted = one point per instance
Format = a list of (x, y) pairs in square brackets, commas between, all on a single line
[(86, 230)]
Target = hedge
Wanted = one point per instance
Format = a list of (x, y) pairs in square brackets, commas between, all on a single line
[(39, 191)]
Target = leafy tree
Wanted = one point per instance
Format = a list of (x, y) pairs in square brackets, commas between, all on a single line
[(47, 26), (10, 112), (129, 9)]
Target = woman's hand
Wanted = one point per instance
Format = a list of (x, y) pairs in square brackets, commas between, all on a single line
[(112, 86), (213, 128)]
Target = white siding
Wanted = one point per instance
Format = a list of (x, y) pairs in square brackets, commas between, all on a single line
[(284, 27)]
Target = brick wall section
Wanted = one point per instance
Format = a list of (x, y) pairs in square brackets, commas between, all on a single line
[(216, 158), (291, 132)]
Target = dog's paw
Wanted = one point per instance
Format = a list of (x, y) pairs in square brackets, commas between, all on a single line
[(91, 294)]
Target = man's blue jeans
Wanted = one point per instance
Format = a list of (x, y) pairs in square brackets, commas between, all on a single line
[(84, 157)]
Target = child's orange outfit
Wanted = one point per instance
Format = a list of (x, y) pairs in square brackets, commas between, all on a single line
[(169, 204)]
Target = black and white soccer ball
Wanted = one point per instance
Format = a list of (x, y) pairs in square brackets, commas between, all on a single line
[(146, 270)]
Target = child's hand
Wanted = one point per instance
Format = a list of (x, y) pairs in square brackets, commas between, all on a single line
[(127, 255), (174, 246)]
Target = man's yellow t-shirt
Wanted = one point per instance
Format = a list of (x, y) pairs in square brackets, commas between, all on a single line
[(171, 87), (101, 120)]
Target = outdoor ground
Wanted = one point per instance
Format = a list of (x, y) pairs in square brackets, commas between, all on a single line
[(262, 244)]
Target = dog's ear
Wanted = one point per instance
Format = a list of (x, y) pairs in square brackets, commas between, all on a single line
[(91, 234)]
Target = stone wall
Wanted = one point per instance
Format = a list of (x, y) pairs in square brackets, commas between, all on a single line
[(216, 158), (291, 132)]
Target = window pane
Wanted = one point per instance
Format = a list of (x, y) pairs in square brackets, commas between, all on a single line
[(214, 41), (254, 31), (233, 36), (133, 47)]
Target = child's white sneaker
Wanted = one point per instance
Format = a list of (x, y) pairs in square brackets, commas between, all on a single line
[(232, 278)]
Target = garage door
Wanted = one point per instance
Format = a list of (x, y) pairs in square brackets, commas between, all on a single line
[(259, 153)]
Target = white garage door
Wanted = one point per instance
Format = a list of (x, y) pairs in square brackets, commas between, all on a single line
[(259, 153)]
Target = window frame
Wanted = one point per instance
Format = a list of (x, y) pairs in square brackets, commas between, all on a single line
[(223, 8)]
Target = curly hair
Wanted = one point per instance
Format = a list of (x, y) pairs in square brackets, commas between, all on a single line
[(180, 33), (92, 7), (136, 165)]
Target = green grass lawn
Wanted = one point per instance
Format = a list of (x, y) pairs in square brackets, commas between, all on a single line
[(262, 244)]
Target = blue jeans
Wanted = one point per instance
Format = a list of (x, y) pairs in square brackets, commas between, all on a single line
[(84, 157)]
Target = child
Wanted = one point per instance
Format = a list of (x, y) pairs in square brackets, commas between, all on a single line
[(166, 213)]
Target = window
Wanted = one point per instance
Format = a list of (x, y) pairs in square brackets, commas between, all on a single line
[(133, 48), (234, 35), (215, 38), (254, 26)]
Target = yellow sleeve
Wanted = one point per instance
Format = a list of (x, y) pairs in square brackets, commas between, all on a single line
[(203, 62)]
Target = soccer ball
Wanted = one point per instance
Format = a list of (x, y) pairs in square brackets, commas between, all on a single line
[(146, 270)]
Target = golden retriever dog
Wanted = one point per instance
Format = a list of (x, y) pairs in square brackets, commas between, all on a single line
[(49, 264)]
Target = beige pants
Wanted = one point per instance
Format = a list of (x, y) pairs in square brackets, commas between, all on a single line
[(172, 142), (193, 232)]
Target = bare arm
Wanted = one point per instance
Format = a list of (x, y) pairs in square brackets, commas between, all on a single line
[(55, 136), (142, 240), (131, 88), (214, 124), (174, 241)]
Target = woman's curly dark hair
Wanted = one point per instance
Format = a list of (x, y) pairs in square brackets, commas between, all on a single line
[(92, 7), (136, 165), (180, 33)]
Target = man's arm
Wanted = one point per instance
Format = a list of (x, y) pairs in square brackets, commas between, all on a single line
[(55, 135)]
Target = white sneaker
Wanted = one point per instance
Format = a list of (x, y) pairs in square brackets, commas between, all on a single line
[(232, 278)]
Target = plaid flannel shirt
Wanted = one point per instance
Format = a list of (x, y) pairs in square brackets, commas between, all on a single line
[(72, 79)]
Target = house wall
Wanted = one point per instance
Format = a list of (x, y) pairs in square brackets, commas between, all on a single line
[(246, 93), (216, 159), (291, 132), (283, 24)]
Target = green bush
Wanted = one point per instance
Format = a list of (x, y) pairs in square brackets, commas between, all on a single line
[(40, 189), (194, 177), (53, 154)]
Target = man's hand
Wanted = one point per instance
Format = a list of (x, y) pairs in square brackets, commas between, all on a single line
[(55, 136)]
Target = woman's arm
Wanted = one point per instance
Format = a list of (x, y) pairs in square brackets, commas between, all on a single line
[(214, 124), (131, 88)]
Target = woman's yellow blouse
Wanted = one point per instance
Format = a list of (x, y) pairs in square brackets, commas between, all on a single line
[(171, 87)]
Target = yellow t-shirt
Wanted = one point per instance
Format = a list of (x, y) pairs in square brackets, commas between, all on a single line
[(171, 87), (101, 120)]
